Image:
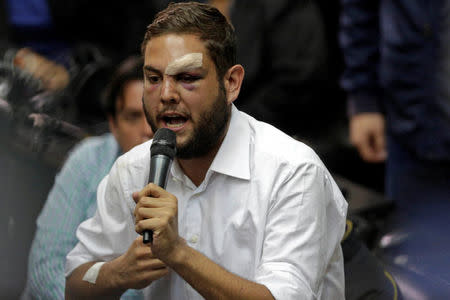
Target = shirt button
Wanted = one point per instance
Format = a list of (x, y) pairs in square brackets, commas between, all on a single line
[(193, 239)]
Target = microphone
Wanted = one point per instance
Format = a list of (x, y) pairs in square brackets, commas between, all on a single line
[(163, 150)]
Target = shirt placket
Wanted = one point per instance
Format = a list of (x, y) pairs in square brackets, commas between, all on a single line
[(193, 221)]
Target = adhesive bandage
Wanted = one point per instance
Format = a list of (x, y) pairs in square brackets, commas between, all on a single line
[(92, 274), (185, 63)]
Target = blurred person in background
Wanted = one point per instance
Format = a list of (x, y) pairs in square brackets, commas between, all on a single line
[(73, 196), (283, 49), (397, 76), (32, 43), (282, 46), (72, 59)]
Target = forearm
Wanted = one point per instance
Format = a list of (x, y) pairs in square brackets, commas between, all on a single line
[(211, 280), (105, 287)]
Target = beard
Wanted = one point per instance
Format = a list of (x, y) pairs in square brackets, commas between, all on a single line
[(207, 133)]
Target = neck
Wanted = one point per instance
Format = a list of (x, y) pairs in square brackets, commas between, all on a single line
[(196, 168)]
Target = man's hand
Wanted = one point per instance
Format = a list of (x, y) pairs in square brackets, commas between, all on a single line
[(137, 268), (367, 134), (157, 210)]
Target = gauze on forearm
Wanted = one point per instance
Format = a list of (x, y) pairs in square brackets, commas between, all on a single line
[(92, 274)]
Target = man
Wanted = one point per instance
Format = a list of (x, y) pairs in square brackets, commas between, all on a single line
[(72, 198), (298, 88), (397, 76), (248, 212)]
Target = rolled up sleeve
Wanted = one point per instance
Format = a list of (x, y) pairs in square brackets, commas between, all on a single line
[(302, 257)]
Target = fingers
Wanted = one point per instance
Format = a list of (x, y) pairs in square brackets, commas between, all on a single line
[(156, 202), (150, 199), (152, 264), (150, 190), (368, 153), (154, 223), (147, 213), (140, 249), (367, 135), (365, 146), (380, 153), (154, 207), (156, 274), (138, 267), (144, 256), (157, 210)]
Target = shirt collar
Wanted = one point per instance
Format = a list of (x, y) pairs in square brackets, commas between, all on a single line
[(233, 157)]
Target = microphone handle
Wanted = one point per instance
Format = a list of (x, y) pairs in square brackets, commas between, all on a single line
[(148, 236), (159, 171)]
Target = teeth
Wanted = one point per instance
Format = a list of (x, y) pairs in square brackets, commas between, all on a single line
[(175, 122), (175, 125)]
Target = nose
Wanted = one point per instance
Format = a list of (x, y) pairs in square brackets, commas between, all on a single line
[(169, 92)]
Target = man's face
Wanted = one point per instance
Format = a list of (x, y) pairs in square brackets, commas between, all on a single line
[(130, 127), (182, 93)]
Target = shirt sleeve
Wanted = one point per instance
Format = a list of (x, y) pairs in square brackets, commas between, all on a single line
[(63, 211), (304, 228), (359, 38), (110, 232)]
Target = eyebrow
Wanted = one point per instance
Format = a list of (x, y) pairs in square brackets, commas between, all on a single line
[(131, 112), (148, 68)]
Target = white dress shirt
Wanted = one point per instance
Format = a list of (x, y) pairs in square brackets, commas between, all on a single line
[(267, 210)]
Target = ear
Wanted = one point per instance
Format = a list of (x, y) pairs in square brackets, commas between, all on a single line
[(112, 125), (233, 82)]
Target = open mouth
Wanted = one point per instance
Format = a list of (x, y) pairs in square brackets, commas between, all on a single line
[(174, 121)]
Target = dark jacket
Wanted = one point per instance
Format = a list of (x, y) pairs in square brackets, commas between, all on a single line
[(281, 45), (391, 53)]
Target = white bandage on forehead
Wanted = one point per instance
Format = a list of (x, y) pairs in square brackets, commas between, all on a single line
[(92, 274), (185, 63)]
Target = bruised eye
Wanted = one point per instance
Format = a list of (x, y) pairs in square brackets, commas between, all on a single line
[(188, 78)]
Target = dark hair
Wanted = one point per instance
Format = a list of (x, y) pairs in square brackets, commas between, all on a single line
[(203, 20), (130, 69)]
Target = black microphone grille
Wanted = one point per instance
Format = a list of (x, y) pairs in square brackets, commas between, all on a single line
[(164, 143)]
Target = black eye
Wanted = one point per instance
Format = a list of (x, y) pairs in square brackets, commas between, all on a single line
[(187, 78)]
